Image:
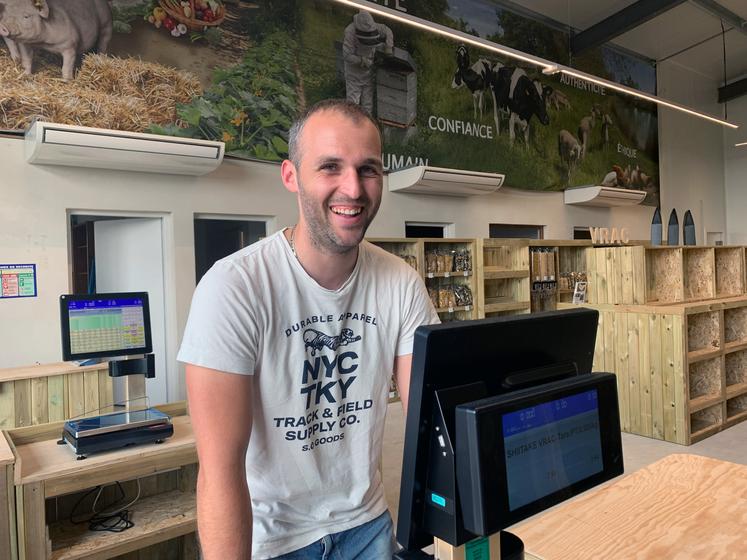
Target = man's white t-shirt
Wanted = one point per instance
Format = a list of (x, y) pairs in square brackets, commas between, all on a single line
[(322, 361)]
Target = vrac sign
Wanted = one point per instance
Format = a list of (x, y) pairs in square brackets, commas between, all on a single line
[(607, 236)]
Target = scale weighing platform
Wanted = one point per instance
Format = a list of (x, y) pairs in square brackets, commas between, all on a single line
[(119, 429)]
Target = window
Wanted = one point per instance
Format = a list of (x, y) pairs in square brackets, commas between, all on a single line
[(581, 232), (429, 229), (516, 231)]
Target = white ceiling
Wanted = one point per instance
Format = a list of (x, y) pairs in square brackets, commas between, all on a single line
[(665, 35)]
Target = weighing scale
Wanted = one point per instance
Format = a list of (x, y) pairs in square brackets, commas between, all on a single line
[(116, 430)]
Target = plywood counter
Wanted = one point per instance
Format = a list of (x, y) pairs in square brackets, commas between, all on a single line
[(682, 507)]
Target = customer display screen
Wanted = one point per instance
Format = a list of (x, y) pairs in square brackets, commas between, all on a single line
[(551, 446)]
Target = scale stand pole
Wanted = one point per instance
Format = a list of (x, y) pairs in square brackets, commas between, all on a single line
[(135, 391)]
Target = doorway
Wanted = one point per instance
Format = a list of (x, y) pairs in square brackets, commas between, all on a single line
[(120, 252), (217, 236)]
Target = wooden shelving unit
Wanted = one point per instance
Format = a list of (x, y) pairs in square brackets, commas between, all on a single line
[(441, 273), (50, 481), (503, 277), (663, 275), (449, 267), (681, 369), (438, 262), (568, 257)]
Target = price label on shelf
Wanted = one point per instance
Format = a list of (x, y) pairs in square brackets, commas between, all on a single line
[(430, 275), (447, 274), (451, 310), (466, 272), (467, 307)]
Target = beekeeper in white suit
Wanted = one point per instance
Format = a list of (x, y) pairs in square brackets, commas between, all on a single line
[(362, 39)]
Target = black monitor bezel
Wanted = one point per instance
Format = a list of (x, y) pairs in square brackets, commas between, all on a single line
[(489, 485), (67, 354), (573, 337)]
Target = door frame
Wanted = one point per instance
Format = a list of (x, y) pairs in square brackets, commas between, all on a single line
[(174, 385)]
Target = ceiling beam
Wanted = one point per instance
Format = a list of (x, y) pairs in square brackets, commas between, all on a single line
[(732, 90), (620, 22), (727, 16)]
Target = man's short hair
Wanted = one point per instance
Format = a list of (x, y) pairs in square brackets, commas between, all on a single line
[(347, 108)]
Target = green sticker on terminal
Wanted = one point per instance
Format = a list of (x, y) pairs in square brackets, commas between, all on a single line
[(478, 549)]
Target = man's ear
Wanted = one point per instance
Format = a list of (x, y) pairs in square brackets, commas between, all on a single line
[(288, 173)]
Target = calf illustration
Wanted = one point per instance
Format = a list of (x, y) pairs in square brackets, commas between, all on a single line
[(316, 340)]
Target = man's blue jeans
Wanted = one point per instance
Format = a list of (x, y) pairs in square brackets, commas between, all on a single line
[(371, 541)]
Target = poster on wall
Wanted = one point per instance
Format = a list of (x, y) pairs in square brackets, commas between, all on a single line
[(17, 280), (240, 71)]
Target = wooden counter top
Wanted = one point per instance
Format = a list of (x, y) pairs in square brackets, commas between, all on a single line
[(681, 507), (57, 466)]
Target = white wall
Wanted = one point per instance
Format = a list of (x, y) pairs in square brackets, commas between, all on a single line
[(35, 200), (691, 164), (735, 163)]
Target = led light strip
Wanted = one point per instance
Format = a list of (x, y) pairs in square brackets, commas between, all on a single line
[(637, 93), (547, 67), (740, 144)]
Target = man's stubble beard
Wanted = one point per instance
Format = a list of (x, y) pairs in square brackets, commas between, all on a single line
[(321, 234)]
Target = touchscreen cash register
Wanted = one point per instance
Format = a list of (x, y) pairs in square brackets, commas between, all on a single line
[(504, 420)]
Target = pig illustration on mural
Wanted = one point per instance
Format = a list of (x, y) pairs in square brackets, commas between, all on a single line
[(66, 27)]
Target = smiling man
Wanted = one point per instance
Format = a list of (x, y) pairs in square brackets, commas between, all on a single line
[(290, 346)]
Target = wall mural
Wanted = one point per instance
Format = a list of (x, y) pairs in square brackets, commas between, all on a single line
[(239, 71)]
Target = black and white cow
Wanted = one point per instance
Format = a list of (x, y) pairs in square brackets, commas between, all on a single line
[(476, 77), (516, 92)]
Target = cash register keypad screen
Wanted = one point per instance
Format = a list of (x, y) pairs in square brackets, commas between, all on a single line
[(106, 324), (551, 446)]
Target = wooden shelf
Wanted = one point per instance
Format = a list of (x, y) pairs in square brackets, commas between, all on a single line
[(455, 274), (736, 390), (496, 307), (503, 271), (57, 467), (157, 518), (454, 309), (496, 273), (48, 476), (701, 430), (704, 402), (735, 419), (704, 354), (735, 346)]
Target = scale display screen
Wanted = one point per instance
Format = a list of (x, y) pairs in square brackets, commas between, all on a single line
[(105, 325)]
